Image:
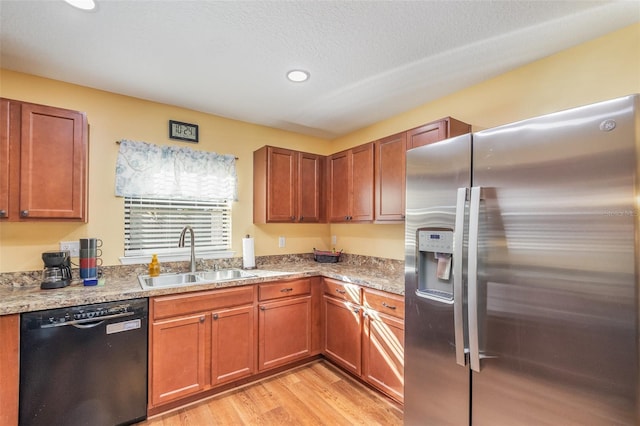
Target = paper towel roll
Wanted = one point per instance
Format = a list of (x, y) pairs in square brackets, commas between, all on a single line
[(248, 253)]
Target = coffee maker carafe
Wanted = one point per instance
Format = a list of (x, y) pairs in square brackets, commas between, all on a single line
[(57, 269)]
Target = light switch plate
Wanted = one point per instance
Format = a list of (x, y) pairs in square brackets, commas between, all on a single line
[(334, 240), (72, 246), (281, 242)]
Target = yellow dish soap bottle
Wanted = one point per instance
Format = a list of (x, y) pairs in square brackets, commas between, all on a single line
[(154, 266)]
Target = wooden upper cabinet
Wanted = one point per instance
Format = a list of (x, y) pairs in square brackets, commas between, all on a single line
[(436, 131), (46, 159), (287, 186), (4, 158), (350, 181), (390, 173)]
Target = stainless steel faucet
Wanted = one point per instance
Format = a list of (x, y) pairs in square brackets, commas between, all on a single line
[(192, 263)]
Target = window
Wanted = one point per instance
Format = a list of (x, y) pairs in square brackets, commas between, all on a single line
[(154, 226), (166, 188)]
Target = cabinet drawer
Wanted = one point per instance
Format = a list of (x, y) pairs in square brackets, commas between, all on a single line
[(386, 303), (342, 290), (181, 304), (282, 289)]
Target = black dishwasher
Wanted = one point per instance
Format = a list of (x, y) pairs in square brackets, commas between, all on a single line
[(84, 365)]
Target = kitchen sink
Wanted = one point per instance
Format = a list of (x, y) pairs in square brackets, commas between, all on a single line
[(224, 275), (191, 278)]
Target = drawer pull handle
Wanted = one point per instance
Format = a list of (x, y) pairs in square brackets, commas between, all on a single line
[(286, 290), (341, 291), (388, 306)]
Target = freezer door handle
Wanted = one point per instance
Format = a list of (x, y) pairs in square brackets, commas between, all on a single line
[(458, 296), (472, 278)]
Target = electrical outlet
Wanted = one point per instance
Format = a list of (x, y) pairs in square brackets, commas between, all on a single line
[(281, 242), (72, 246), (334, 240)]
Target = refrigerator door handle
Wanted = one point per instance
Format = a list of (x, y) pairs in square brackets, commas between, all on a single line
[(474, 217), (458, 295)]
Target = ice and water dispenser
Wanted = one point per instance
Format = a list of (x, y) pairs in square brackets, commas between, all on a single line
[(435, 256)]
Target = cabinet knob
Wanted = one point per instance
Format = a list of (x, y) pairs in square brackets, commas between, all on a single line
[(3, 213), (24, 213), (215, 316), (262, 308), (293, 218), (346, 218), (356, 310), (301, 218), (202, 318)]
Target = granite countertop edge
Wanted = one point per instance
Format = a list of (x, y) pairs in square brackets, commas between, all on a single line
[(29, 298)]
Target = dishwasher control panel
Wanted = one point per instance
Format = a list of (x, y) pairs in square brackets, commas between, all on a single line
[(85, 313)]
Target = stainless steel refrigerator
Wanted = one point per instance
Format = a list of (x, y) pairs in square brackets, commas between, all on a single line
[(522, 273)]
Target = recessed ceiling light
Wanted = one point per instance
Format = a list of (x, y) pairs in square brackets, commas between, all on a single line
[(82, 4), (298, 76)]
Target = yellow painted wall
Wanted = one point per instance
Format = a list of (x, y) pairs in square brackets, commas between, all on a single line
[(113, 117), (601, 69), (604, 68)]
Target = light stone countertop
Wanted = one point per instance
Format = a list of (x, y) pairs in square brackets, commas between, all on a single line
[(29, 297)]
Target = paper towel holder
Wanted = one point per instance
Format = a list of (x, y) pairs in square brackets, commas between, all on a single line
[(248, 255)]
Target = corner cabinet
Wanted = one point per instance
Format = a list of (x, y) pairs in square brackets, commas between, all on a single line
[(43, 163), (285, 322), (287, 186), (436, 131), (350, 185)]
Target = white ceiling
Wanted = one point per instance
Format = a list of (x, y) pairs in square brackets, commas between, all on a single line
[(369, 60)]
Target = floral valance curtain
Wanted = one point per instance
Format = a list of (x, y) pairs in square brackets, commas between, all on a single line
[(169, 172)]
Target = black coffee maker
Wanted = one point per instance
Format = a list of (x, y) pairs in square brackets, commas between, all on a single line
[(57, 269)]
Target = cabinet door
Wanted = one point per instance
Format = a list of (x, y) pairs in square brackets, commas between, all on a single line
[(383, 353), (281, 185), (362, 183), (9, 368), (310, 194), (390, 156), (339, 186), (53, 163), (284, 329), (4, 157), (177, 358), (427, 134), (232, 344), (342, 333)]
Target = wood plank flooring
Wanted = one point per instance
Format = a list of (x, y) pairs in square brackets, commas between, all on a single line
[(313, 394)]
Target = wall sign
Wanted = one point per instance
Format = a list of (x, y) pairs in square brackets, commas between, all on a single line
[(183, 131)]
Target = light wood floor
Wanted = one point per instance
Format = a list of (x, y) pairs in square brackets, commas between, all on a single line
[(313, 394)]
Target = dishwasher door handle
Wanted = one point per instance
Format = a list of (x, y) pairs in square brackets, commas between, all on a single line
[(83, 322)]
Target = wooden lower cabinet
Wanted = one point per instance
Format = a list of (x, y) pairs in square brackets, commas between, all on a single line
[(383, 342), (364, 334), (208, 340), (9, 368), (342, 329), (232, 344), (178, 358), (192, 352), (284, 328), (383, 353)]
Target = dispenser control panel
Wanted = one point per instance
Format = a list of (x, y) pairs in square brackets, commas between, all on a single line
[(435, 241)]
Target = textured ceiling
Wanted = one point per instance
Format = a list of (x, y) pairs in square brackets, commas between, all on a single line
[(369, 60)]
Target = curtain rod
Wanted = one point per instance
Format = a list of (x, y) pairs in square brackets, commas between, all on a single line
[(118, 142)]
